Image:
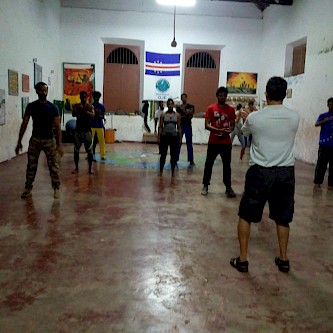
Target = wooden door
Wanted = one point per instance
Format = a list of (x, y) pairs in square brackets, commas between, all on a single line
[(121, 78), (201, 77)]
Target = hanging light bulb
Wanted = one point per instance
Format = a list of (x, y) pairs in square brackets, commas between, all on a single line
[(174, 43)]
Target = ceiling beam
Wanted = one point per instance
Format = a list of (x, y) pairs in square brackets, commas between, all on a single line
[(263, 4)]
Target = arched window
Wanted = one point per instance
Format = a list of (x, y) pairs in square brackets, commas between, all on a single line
[(122, 55), (201, 60)]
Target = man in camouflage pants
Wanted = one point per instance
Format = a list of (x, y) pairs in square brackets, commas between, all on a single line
[(46, 122)]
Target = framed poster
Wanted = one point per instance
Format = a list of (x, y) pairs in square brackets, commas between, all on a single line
[(25, 102), (2, 107), (38, 73), (25, 83), (77, 78), (242, 83), (12, 82)]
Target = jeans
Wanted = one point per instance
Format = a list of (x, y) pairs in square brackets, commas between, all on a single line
[(187, 130), (225, 152)]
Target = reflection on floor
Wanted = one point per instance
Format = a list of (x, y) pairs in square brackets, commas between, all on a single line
[(124, 250)]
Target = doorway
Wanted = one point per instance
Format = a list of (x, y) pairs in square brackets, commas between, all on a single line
[(201, 77), (121, 87)]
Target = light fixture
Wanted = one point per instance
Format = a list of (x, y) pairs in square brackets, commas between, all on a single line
[(176, 2), (174, 43)]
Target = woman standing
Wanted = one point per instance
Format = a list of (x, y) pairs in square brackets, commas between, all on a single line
[(169, 134), (237, 130)]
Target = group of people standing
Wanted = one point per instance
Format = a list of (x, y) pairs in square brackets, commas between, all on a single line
[(90, 122), (173, 125), (270, 177), (220, 119)]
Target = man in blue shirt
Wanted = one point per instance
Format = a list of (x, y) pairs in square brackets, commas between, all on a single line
[(325, 151)]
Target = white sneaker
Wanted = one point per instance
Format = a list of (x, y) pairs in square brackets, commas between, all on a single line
[(204, 190)]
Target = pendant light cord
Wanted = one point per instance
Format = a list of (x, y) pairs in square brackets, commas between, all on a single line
[(174, 23)]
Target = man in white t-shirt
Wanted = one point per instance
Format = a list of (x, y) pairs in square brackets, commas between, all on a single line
[(271, 176)]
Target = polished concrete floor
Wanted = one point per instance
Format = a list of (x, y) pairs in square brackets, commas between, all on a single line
[(124, 250)]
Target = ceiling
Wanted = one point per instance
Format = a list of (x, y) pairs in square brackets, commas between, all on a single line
[(222, 8), (263, 4)]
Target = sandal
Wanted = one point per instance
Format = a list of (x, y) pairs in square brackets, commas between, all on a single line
[(241, 266), (282, 264)]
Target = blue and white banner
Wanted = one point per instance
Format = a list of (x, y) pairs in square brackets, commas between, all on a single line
[(162, 64)]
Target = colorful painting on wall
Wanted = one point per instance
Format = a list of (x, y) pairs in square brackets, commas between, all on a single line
[(38, 73), (242, 83), (2, 107), (25, 83), (12, 82), (78, 77)]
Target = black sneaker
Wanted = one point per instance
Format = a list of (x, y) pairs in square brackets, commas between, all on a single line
[(282, 264), (241, 266), (229, 192)]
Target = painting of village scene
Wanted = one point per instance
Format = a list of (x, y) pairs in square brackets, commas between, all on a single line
[(242, 83)]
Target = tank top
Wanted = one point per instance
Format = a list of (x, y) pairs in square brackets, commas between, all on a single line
[(170, 124)]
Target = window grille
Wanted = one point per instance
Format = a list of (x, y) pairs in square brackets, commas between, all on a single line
[(201, 60), (122, 55)]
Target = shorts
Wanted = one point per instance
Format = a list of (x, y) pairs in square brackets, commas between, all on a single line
[(275, 185)]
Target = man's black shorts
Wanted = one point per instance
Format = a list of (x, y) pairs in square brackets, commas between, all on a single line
[(275, 185)]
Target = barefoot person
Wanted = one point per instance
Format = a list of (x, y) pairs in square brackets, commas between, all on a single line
[(271, 176), (84, 113), (169, 132)]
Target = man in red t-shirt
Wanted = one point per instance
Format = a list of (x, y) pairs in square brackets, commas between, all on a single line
[(220, 121)]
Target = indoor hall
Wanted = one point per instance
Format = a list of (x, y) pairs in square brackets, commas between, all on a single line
[(125, 250)]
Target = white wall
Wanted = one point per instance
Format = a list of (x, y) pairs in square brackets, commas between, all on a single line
[(83, 32), (310, 91), (131, 128), (29, 29), (239, 40), (41, 29)]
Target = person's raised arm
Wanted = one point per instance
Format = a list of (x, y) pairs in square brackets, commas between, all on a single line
[(323, 121), (91, 111), (74, 112), (190, 112), (211, 128)]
